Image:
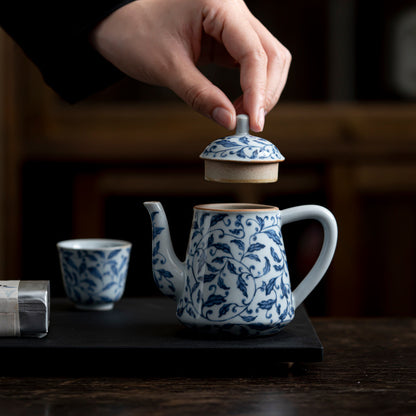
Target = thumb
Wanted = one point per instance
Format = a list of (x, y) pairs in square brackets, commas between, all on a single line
[(201, 94)]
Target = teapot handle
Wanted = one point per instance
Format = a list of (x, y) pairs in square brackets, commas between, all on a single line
[(329, 224)]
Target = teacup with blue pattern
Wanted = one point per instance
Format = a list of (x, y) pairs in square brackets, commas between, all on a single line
[(94, 271)]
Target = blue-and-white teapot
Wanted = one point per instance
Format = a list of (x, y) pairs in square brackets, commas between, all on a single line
[(235, 277)]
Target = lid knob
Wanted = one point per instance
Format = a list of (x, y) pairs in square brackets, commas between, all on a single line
[(242, 124)]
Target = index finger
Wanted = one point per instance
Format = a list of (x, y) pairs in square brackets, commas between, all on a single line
[(243, 44)]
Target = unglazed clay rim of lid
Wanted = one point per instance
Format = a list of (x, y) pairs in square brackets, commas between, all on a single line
[(242, 147), (238, 172)]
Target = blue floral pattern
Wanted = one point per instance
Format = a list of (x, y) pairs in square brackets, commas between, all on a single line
[(243, 148), (236, 276), (162, 276), (94, 277)]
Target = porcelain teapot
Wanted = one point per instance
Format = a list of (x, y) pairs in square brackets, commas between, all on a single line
[(235, 277)]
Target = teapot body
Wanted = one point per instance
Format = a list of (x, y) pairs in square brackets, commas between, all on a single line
[(236, 274), (235, 277)]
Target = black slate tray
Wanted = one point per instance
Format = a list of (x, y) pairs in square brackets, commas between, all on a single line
[(142, 336)]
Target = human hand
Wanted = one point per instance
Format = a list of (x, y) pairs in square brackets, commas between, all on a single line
[(160, 42)]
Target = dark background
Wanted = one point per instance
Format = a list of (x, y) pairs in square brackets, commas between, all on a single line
[(342, 52)]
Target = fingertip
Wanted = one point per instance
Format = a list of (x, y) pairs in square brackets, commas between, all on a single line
[(224, 117), (257, 122)]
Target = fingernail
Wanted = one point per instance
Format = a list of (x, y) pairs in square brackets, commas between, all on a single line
[(260, 119), (223, 117)]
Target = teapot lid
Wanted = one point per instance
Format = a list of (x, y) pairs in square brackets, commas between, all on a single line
[(242, 147)]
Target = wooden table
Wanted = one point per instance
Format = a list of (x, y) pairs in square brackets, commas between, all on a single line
[(369, 368)]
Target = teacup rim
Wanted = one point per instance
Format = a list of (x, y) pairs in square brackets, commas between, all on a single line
[(88, 244), (236, 207)]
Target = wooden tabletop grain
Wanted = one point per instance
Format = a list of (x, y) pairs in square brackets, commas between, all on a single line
[(369, 368)]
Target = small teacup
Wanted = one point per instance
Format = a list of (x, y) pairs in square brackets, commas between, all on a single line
[(94, 271)]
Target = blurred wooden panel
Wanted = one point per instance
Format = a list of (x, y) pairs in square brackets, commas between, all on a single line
[(387, 177), (383, 123), (164, 131), (345, 290)]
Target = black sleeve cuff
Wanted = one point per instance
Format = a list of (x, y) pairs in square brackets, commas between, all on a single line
[(55, 37)]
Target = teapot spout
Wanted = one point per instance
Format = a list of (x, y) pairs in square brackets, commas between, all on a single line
[(168, 270)]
